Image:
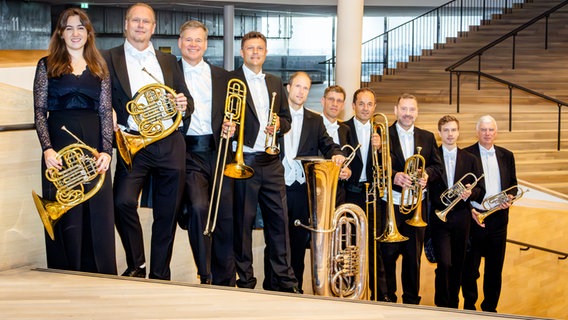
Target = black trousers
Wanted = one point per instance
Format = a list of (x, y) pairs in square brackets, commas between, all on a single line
[(449, 240), (213, 254), (297, 200), (165, 161), (267, 189), (489, 242), (357, 195), (411, 252)]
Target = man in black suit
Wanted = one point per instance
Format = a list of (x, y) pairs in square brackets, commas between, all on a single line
[(405, 138), (164, 159), (449, 237), (333, 103), (489, 239), (266, 187), (307, 137), (362, 132), (213, 253)]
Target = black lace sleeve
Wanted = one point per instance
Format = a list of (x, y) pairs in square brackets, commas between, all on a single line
[(40, 105), (105, 114)]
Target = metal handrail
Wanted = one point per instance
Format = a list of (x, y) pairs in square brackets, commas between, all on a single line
[(407, 41), (16, 127), (526, 246), (512, 86)]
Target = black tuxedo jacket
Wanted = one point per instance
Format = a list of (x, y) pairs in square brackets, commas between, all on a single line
[(507, 174), (344, 133), (438, 183), (422, 138), (219, 80), (314, 138), (252, 124), (356, 165), (121, 91)]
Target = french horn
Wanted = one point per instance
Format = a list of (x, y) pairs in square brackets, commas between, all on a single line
[(79, 169), (338, 236), (151, 106)]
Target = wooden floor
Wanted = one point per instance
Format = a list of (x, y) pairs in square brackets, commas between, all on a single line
[(50, 294)]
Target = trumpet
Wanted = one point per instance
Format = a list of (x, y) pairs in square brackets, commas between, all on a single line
[(235, 103), (150, 106), (411, 197), (270, 144), (79, 169), (494, 202), (351, 156), (451, 196)]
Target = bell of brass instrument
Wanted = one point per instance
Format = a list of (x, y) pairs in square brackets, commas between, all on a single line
[(235, 103), (382, 184), (270, 146), (150, 106), (451, 197), (79, 168), (411, 198), (338, 236), (493, 203)]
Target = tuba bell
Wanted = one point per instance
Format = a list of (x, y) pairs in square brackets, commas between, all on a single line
[(338, 236), (79, 169), (451, 197), (149, 108), (493, 203), (411, 198)]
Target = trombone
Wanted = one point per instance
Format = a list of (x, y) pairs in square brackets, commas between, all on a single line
[(451, 197), (235, 104), (494, 202), (270, 144), (411, 197)]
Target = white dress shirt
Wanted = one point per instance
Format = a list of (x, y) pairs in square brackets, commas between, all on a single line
[(259, 92), (450, 163), (332, 129), (293, 170), (199, 83), (364, 137), (492, 176)]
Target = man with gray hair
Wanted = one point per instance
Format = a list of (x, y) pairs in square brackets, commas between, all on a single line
[(489, 238)]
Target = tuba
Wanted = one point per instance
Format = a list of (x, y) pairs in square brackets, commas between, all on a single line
[(235, 104), (382, 183), (493, 203), (451, 197), (149, 108), (79, 169), (338, 236), (411, 198)]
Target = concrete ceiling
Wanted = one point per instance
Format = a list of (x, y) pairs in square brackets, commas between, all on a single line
[(311, 7)]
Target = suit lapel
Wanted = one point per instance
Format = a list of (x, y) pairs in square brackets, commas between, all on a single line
[(166, 70), (119, 63)]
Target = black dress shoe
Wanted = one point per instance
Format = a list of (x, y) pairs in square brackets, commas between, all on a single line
[(293, 289), (204, 280), (135, 272)]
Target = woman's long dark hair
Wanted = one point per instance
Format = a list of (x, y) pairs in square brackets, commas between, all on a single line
[(59, 60)]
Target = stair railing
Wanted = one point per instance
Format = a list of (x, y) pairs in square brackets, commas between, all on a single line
[(404, 43)]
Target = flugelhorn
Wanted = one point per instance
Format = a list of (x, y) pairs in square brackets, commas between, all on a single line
[(452, 196), (270, 144), (235, 105), (149, 108), (78, 169), (338, 236), (493, 203), (411, 197)]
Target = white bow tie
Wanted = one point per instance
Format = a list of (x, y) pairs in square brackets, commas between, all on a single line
[(259, 76)]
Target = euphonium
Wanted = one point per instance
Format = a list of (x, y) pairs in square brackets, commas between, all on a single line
[(78, 170), (411, 198), (451, 197), (494, 202), (338, 236), (270, 144), (382, 183), (150, 106), (235, 104)]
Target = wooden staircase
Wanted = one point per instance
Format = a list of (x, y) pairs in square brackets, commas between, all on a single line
[(533, 137)]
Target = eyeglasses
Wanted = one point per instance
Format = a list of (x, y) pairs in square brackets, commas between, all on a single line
[(143, 21)]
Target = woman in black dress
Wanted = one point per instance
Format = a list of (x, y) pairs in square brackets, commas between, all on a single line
[(72, 89)]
